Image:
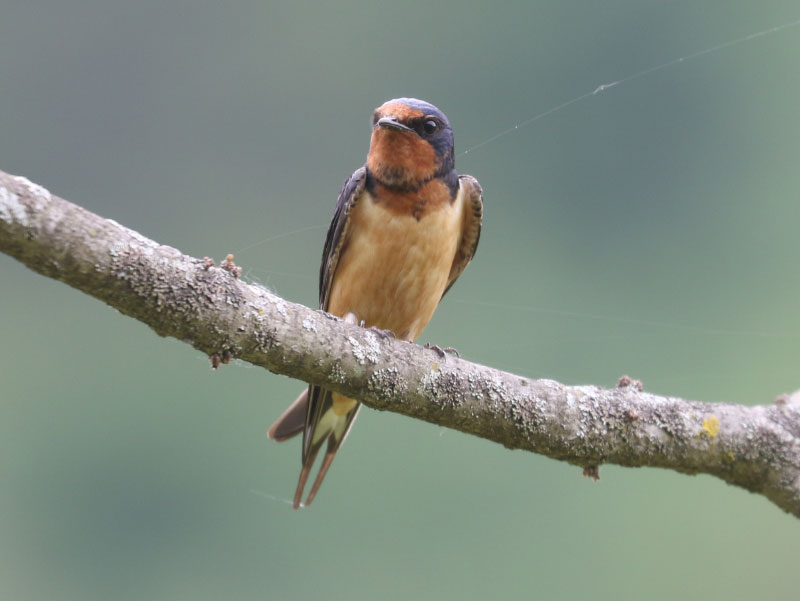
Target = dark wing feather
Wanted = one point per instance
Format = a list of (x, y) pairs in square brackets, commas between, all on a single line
[(319, 400), (337, 233), (293, 420), (472, 193)]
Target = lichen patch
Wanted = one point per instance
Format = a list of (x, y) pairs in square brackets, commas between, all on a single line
[(371, 351), (711, 426), (309, 324), (11, 209), (40, 193)]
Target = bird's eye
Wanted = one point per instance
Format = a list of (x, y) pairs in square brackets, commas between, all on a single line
[(430, 126)]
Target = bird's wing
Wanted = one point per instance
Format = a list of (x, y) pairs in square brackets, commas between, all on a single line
[(472, 197), (322, 422), (337, 233)]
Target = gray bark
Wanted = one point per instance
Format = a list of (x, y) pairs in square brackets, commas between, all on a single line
[(208, 307)]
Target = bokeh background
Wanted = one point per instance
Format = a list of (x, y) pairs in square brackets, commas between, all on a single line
[(651, 229)]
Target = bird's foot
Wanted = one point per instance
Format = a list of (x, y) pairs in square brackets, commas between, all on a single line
[(442, 352), (384, 334)]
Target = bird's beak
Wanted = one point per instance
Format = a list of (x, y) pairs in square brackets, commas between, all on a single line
[(392, 123)]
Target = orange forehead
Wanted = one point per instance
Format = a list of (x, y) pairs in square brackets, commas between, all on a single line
[(401, 111)]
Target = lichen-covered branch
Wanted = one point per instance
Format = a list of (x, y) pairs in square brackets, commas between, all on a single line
[(757, 448)]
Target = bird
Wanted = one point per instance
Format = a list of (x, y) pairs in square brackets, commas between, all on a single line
[(404, 229)]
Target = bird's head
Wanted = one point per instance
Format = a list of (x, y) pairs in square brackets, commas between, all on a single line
[(411, 144)]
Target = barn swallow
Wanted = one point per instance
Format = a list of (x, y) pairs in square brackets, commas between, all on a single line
[(405, 227)]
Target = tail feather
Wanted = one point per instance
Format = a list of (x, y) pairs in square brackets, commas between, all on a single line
[(326, 463), (292, 421), (301, 483), (324, 425), (320, 419)]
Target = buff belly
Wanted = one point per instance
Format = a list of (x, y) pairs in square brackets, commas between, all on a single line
[(394, 268)]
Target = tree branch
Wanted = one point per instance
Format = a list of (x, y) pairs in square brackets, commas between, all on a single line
[(757, 448)]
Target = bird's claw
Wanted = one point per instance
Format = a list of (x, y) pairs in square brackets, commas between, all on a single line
[(442, 352), (384, 334)]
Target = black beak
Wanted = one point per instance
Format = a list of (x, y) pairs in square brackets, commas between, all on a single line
[(392, 123)]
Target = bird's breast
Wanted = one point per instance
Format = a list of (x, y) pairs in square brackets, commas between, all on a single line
[(396, 260)]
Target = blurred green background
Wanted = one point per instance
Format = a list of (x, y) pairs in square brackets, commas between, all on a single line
[(650, 230)]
